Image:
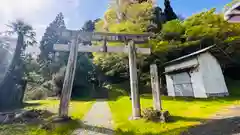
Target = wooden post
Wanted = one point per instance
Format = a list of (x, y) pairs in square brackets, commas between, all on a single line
[(136, 111), (69, 78), (155, 82)]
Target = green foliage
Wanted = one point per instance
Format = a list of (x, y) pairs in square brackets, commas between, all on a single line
[(138, 17), (82, 86), (137, 20), (36, 88), (58, 80), (172, 38), (150, 114), (33, 77), (84, 74), (53, 64), (37, 93), (175, 38), (174, 26), (39, 90), (178, 38), (173, 30), (205, 24), (117, 90), (233, 87), (31, 68), (112, 63)]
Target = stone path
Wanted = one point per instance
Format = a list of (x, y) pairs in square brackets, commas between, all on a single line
[(98, 120), (226, 122)]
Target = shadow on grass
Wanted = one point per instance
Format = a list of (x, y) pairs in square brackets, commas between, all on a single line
[(93, 99), (83, 99), (103, 94), (229, 98), (187, 119), (19, 107), (31, 104), (106, 131), (227, 126), (174, 119)]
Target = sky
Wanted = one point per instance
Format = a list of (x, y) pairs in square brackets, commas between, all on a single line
[(39, 13)]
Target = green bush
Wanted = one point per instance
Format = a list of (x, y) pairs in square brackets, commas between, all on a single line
[(157, 116), (151, 114), (58, 80), (36, 94), (39, 92), (48, 85)]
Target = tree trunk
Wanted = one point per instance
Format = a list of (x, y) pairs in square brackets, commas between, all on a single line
[(8, 87)]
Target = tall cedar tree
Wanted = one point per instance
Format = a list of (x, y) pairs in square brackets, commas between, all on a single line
[(47, 55), (89, 26), (168, 11), (50, 37), (157, 20)]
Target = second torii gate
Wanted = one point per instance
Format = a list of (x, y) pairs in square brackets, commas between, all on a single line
[(77, 37)]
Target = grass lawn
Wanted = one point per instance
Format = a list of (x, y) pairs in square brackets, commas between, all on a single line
[(185, 112), (77, 110)]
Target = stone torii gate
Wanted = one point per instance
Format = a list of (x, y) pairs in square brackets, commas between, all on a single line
[(77, 37)]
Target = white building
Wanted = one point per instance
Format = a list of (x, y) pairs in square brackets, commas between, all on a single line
[(232, 12), (195, 75)]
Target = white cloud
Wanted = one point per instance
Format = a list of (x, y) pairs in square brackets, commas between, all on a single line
[(38, 13)]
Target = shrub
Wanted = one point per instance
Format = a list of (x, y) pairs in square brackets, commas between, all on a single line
[(58, 80), (151, 114), (166, 117), (156, 116), (48, 85), (36, 94), (39, 93)]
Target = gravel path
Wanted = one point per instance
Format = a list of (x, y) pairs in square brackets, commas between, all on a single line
[(226, 122), (98, 121)]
